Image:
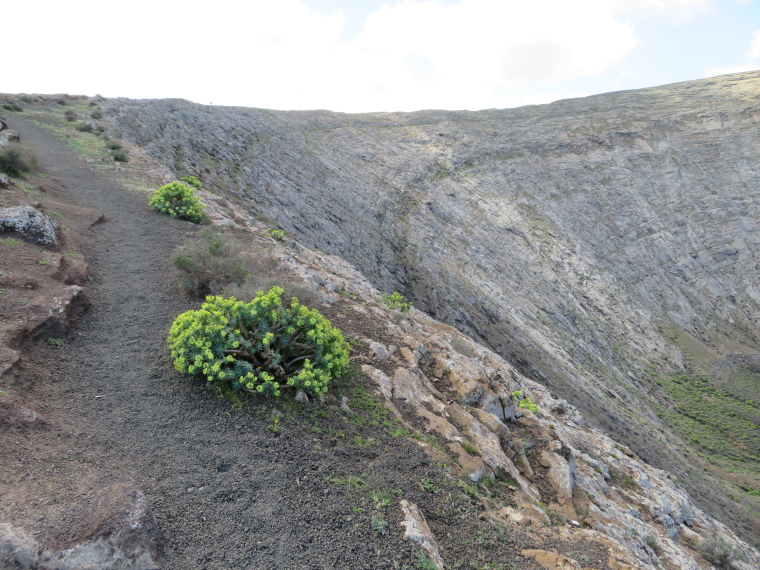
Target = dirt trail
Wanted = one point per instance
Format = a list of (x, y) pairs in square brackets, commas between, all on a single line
[(226, 491)]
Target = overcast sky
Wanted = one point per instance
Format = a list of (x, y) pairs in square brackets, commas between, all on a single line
[(371, 55)]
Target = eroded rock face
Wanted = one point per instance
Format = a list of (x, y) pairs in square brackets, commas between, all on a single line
[(571, 480)]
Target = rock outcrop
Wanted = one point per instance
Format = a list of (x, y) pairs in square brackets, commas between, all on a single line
[(570, 480)]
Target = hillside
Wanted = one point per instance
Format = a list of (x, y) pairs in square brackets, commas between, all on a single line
[(97, 420), (603, 246)]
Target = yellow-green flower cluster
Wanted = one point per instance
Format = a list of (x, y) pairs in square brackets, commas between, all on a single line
[(260, 346), (524, 403), (178, 201)]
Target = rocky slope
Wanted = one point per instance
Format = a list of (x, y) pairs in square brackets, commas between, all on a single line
[(593, 243)]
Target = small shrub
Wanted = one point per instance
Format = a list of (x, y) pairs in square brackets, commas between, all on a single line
[(422, 562), (71, 115), (119, 156), (209, 263), (651, 542), (192, 181), (263, 274), (113, 145), (378, 524), (524, 402), (429, 486), (84, 127), (27, 99), (259, 347), (396, 301), (62, 102), (97, 114), (55, 341), (469, 447), (719, 552), (277, 235), (178, 201), (15, 159), (13, 107)]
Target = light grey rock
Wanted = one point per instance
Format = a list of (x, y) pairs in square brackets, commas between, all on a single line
[(378, 351), (18, 549), (30, 223), (4, 181)]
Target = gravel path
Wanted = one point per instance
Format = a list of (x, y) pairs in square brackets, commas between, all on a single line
[(227, 492)]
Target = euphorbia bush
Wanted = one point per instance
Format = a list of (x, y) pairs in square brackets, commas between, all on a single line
[(178, 201), (262, 346)]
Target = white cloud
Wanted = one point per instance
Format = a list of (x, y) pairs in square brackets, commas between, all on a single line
[(678, 10), (753, 51), (726, 69), (410, 55)]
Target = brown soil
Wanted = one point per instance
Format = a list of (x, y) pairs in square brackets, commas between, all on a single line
[(230, 487)]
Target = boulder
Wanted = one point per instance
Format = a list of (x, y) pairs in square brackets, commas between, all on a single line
[(30, 223)]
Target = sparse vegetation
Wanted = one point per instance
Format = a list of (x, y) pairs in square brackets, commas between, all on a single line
[(192, 181), (97, 114), (113, 145), (719, 552), (209, 263), (396, 301), (178, 201), (70, 115), (261, 347), (16, 159), (119, 156), (84, 127)]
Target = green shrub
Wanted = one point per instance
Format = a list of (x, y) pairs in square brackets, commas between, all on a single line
[(277, 235), (27, 99), (16, 159), (192, 181), (261, 346), (13, 107), (119, 156), (71, 115), (178, 201), (84, 127), (719, 552), (113, 145), (97, 114), (524, 402), (396, 301), (209, 263)]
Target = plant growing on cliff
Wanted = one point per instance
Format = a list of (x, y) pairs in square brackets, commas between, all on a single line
[(260, 347), (524, 402), (178, 201), (396, 301), (277, 235), (719, 552)]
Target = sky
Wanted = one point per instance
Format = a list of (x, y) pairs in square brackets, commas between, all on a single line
[(371, 55)]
